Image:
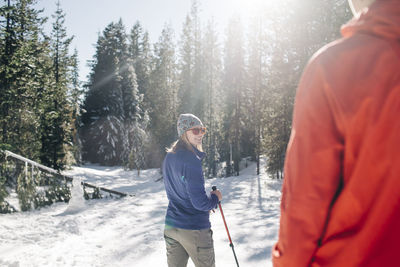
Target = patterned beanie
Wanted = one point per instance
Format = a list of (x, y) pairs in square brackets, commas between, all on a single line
[(187, 121)]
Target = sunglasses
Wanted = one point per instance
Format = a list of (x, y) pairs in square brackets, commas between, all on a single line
[(197, 131)]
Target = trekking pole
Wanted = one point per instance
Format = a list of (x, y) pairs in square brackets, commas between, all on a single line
[(226, 227)]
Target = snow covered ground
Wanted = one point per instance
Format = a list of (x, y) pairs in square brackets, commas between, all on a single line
[(129, 231)]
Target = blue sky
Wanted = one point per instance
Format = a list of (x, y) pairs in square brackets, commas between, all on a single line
[(85, 19)]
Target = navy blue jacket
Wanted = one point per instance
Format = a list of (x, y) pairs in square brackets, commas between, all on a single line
[(189, 204)]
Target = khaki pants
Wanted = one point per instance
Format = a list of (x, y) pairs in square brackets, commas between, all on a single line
[(196, 244)]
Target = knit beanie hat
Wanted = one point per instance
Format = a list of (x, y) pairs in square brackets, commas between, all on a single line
[(187, 121)]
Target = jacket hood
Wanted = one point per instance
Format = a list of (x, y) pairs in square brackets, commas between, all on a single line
[(382, 19)]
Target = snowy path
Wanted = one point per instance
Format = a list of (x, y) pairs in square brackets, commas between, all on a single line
[(128, 232)]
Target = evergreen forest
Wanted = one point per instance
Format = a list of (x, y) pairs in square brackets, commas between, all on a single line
[(240, 82)]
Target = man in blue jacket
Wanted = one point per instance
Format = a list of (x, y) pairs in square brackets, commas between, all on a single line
[(187, 226)]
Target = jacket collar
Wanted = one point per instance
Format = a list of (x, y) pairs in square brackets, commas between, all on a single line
[(382, 19), (200, 155)]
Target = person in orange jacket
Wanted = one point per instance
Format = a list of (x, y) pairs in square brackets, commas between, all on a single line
[(341, 192)]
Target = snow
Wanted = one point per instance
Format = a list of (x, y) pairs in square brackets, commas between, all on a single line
[(129, 231), (77, 201)]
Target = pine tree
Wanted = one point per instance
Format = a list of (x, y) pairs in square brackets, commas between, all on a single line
[(234, 87), (104, 106), (211, 80), (199, 94), (25, 74), (191, 91), (313, 24), (186, 87), (55, 120), (75, 102), (163, 97), (140, 52), (286, 55), (23, 77), (135, 119), (5, 48), (114, 121), (257, 80)]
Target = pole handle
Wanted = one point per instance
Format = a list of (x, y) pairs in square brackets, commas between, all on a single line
[(215, 188)]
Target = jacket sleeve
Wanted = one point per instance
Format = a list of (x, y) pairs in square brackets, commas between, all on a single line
[(312, 169), (193, 175)]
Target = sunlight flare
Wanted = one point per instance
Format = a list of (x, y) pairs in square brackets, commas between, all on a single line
[(251, 8)]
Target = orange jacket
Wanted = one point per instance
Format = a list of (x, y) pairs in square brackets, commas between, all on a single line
[(341, 193)]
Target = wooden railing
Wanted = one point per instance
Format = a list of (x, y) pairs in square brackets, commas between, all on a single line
[(34, 185)]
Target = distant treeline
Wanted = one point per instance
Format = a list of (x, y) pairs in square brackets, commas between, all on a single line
[(241, 84)]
